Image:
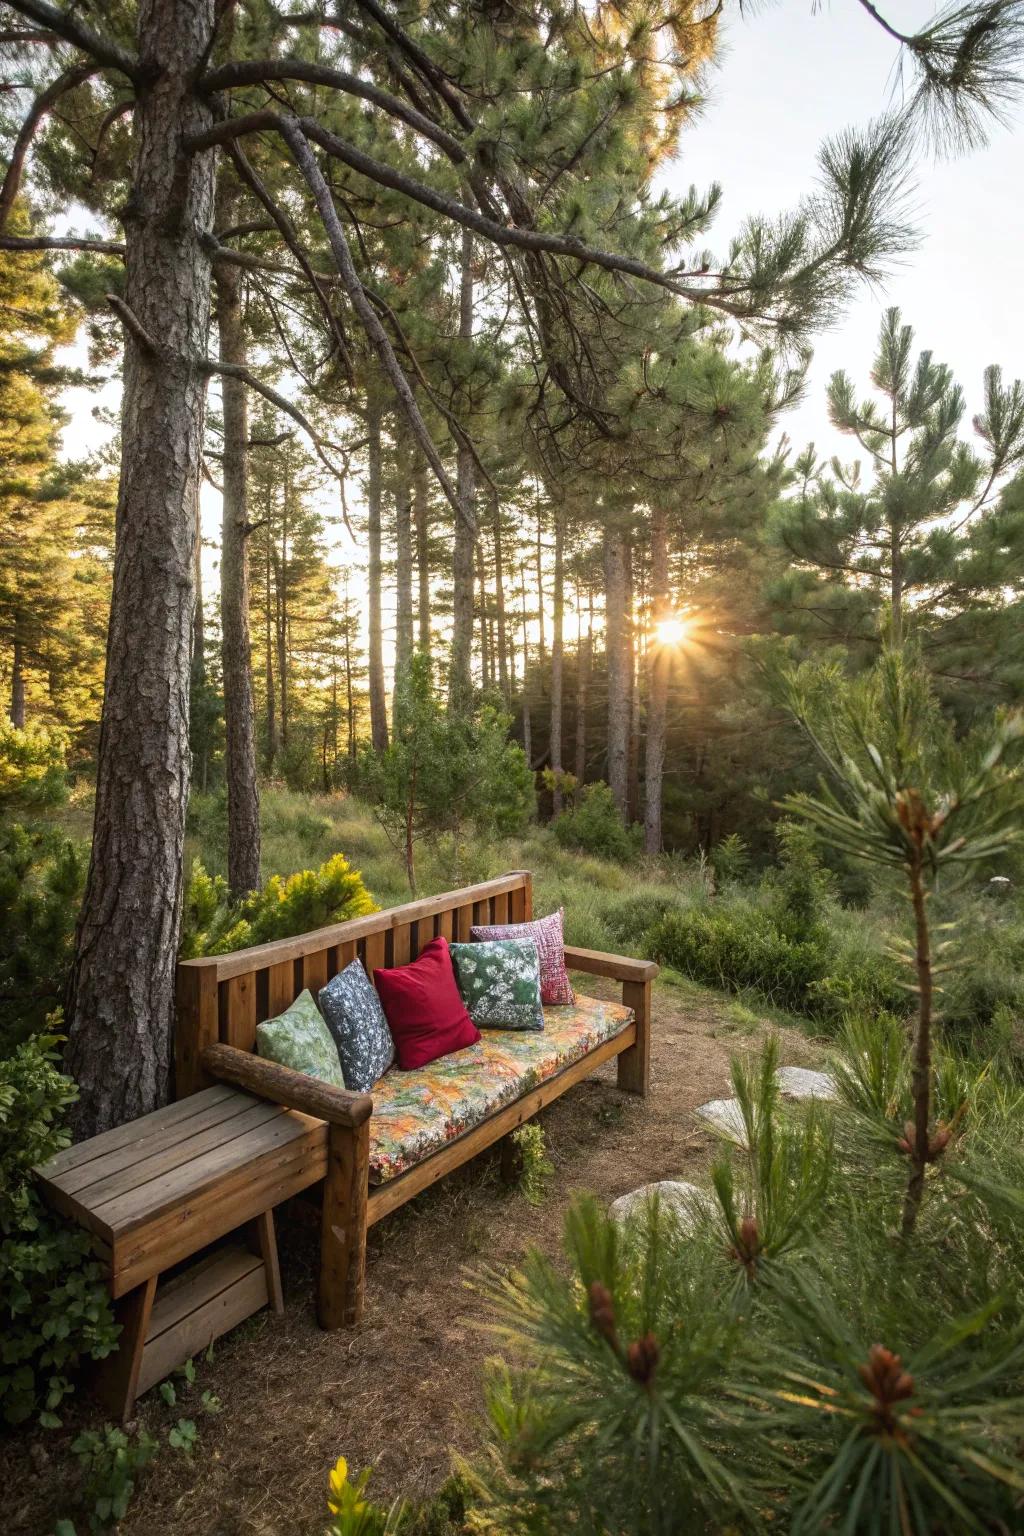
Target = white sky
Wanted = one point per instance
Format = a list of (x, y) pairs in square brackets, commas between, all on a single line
[(788, 78)]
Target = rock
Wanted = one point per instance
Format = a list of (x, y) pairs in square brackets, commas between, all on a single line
[(802, 1083), (727, 1118), (684, 1202)]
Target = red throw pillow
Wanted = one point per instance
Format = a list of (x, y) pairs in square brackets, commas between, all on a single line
[(424, 1010)]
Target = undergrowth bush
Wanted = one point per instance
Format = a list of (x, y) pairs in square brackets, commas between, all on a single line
[(215, 924), (32, 765), (42, 875), (54, 1304), (594, 825)]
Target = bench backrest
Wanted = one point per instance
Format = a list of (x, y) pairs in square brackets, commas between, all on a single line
[(224, 997)]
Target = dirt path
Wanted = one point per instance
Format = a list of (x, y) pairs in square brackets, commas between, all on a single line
[(403, 1388)]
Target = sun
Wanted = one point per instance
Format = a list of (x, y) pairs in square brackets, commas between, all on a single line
[(673, 631)]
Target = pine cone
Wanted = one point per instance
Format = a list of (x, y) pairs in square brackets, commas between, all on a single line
[(642, 1359), (602, 1312)]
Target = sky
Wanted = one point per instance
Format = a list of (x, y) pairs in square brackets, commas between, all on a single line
[(789, 77)]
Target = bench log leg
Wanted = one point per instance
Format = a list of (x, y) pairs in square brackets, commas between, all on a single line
[(635, 1062), (343, 1226), (117, 1382), (266, 1239)]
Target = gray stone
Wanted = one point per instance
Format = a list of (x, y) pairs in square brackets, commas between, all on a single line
[(727, 1118), (684, 1202), (802, 1083)]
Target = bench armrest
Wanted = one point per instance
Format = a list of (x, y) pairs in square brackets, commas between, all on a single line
[(618, 967), (282, 1085)]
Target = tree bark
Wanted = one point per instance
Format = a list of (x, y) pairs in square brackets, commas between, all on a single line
[(460, 680), (236, 646), (557, 656), (269, 633), (18, 686), (527, 724), (617, 664), (633, 664), (421, 515), (659, 666), (584, 657), (504, 682), (403, 555), (378, 701), (485, 634), (121, 995)]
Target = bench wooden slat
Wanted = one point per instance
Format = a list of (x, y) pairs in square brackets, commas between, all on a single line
[(134, 1131), (78, 1181), (238, 1012)]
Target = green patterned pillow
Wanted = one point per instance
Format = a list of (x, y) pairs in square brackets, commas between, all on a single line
[(299, 1038), (500, 983)]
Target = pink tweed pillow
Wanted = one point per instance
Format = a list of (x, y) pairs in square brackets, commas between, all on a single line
[(546, 933)]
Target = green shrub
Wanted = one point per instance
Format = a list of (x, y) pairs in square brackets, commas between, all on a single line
[(54, 1305), (32, 765), (214, 924), (731, 859), (42, 876), (629, 920), (594, 825)]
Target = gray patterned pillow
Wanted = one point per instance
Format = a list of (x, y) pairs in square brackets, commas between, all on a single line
[(500, 983), (355, 1018), (299, 1038)]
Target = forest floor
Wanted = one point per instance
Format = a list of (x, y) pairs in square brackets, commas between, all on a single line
[(403, 1390)]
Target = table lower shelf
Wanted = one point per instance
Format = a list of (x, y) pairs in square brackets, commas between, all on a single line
[(196, 1307)]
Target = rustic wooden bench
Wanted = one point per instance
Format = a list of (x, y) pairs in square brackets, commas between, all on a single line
[(246, 1134), (222, 998)]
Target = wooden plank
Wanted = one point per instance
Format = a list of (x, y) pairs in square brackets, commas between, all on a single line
[(138, 1176), (343, 1228), (236, 1198), (482, 914), (117, 1381), (197, 1026), (124, 1159), (419, 934), (463, 922), (444, 924), (500, 908), (401, 945), (132, 1132), (212, 1273), (314, 970), (221, 1301), (385, 1198), (238, 1011), (635, 1064), (374, 954), (284, 1086), (347, 952), (281, 991)]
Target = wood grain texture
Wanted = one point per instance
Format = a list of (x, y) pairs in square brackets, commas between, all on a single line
[(282, 1085), (635, 1064), (617, 967), (341, 1283), (117, 1379)]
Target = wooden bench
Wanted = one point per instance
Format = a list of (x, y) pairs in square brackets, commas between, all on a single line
[(246, 1134), (222, 998)]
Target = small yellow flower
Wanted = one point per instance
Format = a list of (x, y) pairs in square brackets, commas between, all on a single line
[(337, 1482)]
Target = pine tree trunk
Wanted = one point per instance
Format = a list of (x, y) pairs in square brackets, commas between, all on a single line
[(121, 995), (403, 558), (658, 669), (378, 700), (499, 607), (632, 661), (236, 646), (584, 657), (421, 514), (350, 709), (527, 723), (542, 647), (197, 682), (460, 681), (18, 686), (485, 633), (617, 664), (281, 567), (268, 617), (557, 657)]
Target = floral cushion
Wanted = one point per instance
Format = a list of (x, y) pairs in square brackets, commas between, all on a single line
[(417, 1113), (355, 1018), (546, 933), (500, 983), (299, 1038)]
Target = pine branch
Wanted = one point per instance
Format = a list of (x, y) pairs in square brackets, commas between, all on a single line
[(40, 108), (65, 25)]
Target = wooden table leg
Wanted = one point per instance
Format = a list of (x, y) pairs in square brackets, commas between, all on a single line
[(118, 1378)]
